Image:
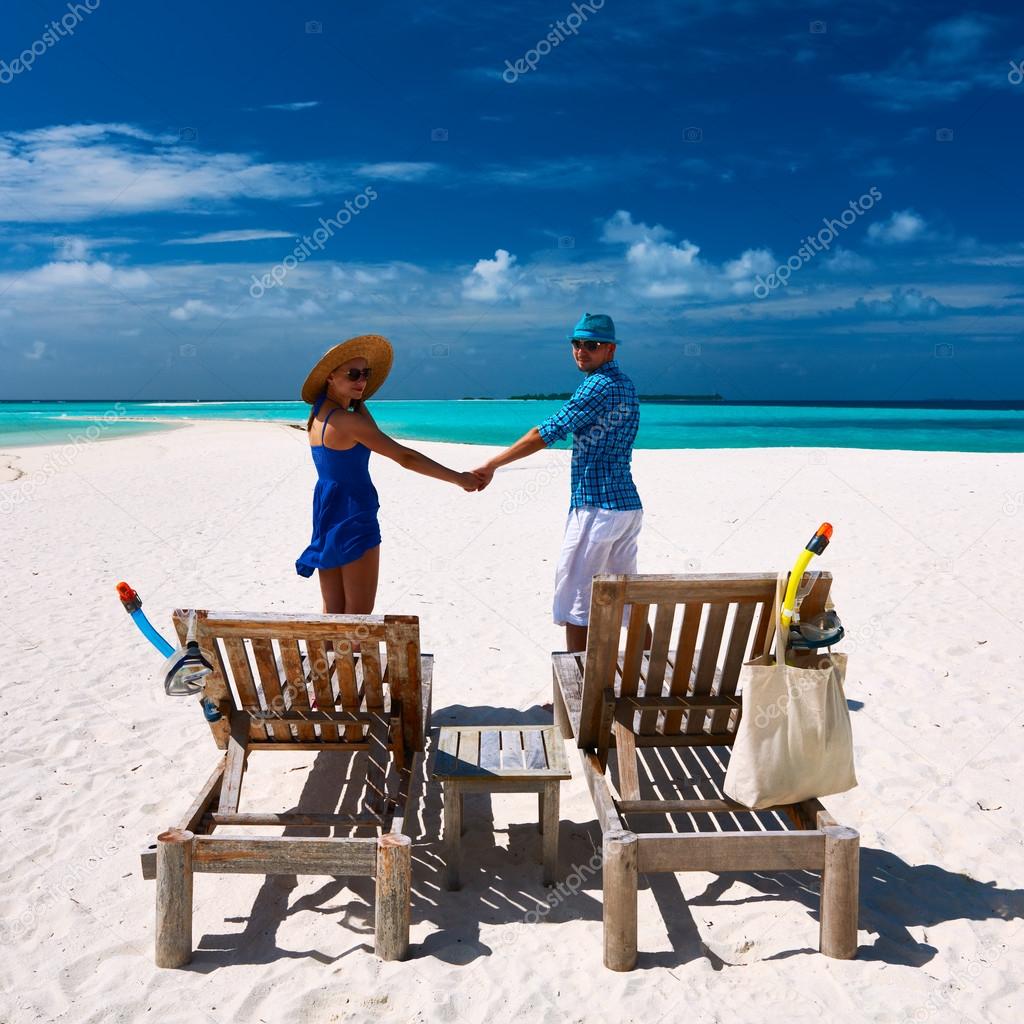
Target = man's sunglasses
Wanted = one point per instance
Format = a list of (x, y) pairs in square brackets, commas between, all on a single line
[(590, 346), (354, 375)]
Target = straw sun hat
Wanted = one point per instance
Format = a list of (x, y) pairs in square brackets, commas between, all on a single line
[(374, 348)]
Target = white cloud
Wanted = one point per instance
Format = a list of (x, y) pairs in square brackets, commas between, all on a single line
[(1010, 258), (55, 277), (948, 65), (397, 170), (910, 303), (660, 269), (302, 105), (620, 227), (750, 263), (902, 226), (72, 248), (218, 237), (664, 270), (957, 39), (191, 308), (491, 280), (76, 172), (846, 261)]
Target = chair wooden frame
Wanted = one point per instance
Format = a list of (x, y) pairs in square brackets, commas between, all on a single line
[(685, 698), (326, 696)]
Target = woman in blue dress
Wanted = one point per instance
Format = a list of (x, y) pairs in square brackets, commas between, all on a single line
[(345, 547)]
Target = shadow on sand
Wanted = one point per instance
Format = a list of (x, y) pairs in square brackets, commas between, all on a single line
[(501, 885)]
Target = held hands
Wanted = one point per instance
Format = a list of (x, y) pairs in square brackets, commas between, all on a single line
[(484, 475), (477, 480)]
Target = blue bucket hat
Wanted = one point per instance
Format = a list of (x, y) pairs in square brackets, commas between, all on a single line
[(596, 327)]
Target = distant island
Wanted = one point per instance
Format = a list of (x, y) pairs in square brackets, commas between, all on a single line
[(561, 396)]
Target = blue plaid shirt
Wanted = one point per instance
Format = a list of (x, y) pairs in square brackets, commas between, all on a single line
[(602, 416)]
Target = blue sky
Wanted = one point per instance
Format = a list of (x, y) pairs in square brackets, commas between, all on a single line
[(196, 200)]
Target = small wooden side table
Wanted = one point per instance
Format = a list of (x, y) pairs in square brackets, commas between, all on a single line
[(500, 759)]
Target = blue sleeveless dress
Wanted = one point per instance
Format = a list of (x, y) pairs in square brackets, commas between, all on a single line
[(345, 505)]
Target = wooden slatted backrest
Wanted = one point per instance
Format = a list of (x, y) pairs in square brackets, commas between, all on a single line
[(704, 627), (270, 662)]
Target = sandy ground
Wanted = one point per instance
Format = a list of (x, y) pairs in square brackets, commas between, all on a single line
[(96, 760)]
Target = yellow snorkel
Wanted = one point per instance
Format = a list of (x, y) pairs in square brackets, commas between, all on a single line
[(815, 546)]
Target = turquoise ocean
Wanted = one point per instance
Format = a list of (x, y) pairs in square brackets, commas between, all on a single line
[(965, 427)]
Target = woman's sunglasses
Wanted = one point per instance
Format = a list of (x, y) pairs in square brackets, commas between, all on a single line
[(590, 346), (354, 375)]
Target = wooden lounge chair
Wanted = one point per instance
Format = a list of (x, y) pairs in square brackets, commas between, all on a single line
[(288, 682), (671, 713)]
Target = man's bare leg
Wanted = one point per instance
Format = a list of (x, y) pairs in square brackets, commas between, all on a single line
[(575, 637)]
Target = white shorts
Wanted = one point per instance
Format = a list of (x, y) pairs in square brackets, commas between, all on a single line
[(597, 540)]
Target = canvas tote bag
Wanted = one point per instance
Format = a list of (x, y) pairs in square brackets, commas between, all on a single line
[(794, 739)]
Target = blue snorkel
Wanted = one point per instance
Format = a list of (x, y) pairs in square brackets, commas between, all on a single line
[(133, 606), (185, 669)]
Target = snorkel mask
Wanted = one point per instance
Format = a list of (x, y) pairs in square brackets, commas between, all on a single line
[(185, 670)]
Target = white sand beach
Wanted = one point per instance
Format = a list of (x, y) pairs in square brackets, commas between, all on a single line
[(96, 760)]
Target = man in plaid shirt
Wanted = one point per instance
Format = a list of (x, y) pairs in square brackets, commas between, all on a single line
[(605, 513)]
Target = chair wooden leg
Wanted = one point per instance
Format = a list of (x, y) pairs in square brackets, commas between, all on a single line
[(620, 887), (394, 889), (560, 712), (174, 898), (550, 819), (840, 896), (453, 832)]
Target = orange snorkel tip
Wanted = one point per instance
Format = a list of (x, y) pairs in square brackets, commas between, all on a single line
[(129, 598), (820, 540)]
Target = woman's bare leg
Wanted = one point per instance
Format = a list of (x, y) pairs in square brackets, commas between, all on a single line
[(360, 580), (332, 590)]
